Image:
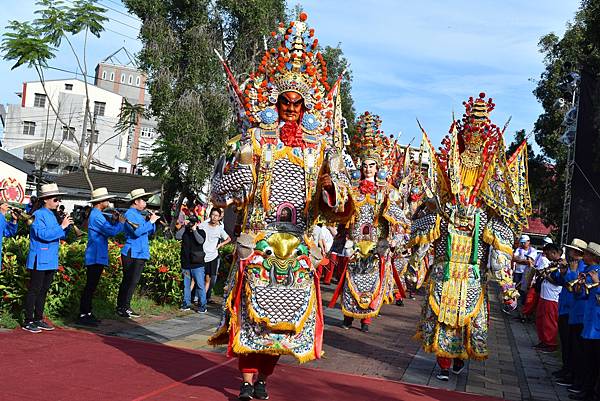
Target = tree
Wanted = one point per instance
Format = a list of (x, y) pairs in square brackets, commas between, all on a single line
[(186, 81), (578, 49), (336, 64), (35, 43)]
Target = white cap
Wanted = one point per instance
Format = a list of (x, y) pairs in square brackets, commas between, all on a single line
[(524, 238), (548, 240)]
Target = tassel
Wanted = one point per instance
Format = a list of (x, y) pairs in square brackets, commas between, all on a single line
[(447, 264), (475, 248)]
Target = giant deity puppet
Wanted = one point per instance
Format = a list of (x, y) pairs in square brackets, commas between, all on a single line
[(471, 224), (367, 276), (281, 174)]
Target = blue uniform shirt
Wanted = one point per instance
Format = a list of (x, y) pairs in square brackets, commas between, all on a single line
[(591, 315), (566, 299), (99, 230), (44, 239), (7, 229), (580, 299), (137, 240)]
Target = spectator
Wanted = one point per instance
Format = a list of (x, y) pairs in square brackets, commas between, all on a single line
[(546, 319), (216, 237), (192, 263), (336, 255)]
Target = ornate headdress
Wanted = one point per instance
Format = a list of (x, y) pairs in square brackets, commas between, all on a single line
[(369, 143), (296, 66)]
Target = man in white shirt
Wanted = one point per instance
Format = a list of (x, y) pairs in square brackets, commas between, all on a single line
[(523, 258), (325, 241), (216, 237), (546, 320)]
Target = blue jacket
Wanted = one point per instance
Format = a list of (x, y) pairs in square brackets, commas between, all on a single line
[(7, 229), (580, 299), (137, 240), (99, 229), (44, 239), (591, 315), (566, 299)]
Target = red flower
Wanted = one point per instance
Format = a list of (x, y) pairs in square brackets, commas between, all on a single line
[(163, 269), (61, 269), (367, 187)]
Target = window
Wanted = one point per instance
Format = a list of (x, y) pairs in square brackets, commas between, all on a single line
[(123, 170), (112, 76), (71, 168), (68, 133), (40, 100), (104, 75), (28, 128), (147, 132), (95, 136), (99, 108), (68, 87), (130, 79), (52, 168), (137, 81), (122, 78)]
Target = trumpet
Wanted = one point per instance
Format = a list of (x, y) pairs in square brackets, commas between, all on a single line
[(575, 285)]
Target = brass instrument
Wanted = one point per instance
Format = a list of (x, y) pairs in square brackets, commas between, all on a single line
[(21, 215), (575, 285), (161, 220), (78, 232), (115, 214)]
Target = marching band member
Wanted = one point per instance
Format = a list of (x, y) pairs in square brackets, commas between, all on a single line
[(8, 225), (96, 251), (44, 241), (135, 252)]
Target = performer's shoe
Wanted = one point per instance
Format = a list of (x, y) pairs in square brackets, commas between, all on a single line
[(246, 391), (347, 323), (457, 368), (444, 375), (43, 325), (400, 302), (575, 389), (260, 390), (564, 381), (364, 327)]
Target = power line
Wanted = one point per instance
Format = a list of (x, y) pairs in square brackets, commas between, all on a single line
[(120, 12), (122, 34)]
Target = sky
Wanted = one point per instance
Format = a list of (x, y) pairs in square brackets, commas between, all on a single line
[(409, 59)]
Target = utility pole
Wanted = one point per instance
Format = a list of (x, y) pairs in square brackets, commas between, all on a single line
[(570, 137)]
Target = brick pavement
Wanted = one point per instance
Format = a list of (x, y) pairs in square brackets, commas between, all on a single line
[(513, 371)]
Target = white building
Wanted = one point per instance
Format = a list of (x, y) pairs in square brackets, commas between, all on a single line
[(40, 134)]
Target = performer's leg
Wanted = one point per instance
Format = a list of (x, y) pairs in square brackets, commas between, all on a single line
[(364, 324), (563, 332), (248, 366), (444, 364), (347, 322), (458, 365), (328, 272)]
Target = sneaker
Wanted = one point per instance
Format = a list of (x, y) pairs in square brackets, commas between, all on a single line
[(85, 320), (260, 390), (246, 391), (132, 313), (364, 327), (123, 313), (575, 389), (202, 310), (444, 375), (31, 327), (43, 325), (185, 308), (347, 323), (400, 302), (94, 318), (564, 382), (457, 368)]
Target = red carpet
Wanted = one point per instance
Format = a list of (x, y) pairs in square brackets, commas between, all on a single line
[(69, 365)]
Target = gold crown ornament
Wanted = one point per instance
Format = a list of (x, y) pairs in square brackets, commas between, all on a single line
[(294, 65)]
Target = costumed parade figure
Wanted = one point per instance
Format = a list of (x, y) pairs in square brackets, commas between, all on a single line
[(367, 277), (473, 217), (282, 175)]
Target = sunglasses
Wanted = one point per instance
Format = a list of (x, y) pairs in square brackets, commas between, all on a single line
[(57, 200)]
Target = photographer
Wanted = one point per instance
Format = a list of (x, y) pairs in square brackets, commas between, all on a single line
[(192, 262)]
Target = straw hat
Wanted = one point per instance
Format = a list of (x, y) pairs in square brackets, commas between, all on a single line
[(49, 190), (593, 248), (100, 194), (577, 244), (136, 194)]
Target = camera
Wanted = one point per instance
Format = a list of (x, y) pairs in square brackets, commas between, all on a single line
[(192, 220)]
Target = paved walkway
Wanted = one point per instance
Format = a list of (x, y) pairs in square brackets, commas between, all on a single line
[(514, 371)]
